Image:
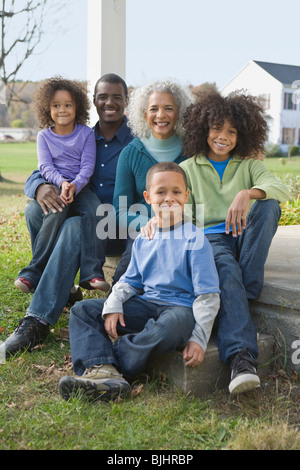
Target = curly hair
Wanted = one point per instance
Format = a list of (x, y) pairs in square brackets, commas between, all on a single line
[(244, 112), (138, 105), (45, 93)]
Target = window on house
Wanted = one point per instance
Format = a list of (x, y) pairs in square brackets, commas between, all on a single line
[(265, 100), (288, 101), (288, 135)]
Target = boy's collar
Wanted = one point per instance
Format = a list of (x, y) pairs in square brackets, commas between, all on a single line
[(172, 227)]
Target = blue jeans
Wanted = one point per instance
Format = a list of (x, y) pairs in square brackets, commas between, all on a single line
[(151, 330), (53, 289), (240, 263), (124, 262), (92, 254)]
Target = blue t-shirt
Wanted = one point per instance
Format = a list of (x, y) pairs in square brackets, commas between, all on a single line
[(174, 268), (220, 168)]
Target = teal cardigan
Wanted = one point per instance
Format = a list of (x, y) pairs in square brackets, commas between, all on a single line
[(133, 165)]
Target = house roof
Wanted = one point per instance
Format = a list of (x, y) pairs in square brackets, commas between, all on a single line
[(286, 74)]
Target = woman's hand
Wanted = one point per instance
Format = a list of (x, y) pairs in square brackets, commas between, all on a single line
[(150, 228)]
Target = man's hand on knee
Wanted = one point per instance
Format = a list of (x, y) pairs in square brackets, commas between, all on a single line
[(48, 197)]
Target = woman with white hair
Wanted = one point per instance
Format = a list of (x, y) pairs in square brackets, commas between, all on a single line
[(155, 115)]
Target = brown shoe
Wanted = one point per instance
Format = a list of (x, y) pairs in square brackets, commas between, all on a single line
[(100, 382)]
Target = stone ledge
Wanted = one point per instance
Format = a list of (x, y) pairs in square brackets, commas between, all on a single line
[(213, 374), (112, 262), (282, 323)]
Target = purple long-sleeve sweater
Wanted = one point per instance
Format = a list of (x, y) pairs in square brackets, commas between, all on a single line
[(69, 157)]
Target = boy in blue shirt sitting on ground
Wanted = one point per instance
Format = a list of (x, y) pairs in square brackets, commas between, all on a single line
[(167, 299)]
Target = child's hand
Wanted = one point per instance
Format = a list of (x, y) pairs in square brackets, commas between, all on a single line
[(238, 210), (149, 230), (67, 192), (111, 321), (193, 354), (237, 213)]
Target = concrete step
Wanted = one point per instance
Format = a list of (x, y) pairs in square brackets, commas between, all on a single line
[(112, 262), (277, 310), (212, 374)]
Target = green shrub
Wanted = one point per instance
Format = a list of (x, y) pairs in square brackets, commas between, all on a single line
[(293, 150), (17, 124), (273, 150)]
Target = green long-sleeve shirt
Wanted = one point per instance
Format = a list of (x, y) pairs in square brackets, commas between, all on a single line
[(216, 195)]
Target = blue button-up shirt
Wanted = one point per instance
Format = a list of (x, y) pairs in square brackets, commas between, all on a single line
[(108, 151), (103, 179)]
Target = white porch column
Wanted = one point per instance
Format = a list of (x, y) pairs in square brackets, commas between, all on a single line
[(106, 42)]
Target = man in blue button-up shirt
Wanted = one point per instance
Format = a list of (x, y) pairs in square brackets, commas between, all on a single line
[(108, 151), (51, 295)]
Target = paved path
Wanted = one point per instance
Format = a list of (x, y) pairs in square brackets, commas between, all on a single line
[(283, 264)]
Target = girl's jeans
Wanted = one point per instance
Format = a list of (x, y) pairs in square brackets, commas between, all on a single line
[(151, 329), (240, 263), (92, 253)]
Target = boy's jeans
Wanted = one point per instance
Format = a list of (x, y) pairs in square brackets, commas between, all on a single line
[(151, 329), (240, 263)]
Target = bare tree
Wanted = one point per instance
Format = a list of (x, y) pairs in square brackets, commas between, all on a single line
[(21, 29)]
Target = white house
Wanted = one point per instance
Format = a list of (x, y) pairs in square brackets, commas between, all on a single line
[(278, 86)]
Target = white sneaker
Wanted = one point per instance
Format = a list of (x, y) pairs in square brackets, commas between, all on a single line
[(243, 373)]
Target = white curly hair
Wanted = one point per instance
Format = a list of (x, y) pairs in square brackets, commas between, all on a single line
[(138, 102)]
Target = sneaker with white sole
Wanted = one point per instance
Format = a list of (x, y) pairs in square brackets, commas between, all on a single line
[(100, 382), (99, 283), (243, 373), (96, 283), (24, 285)]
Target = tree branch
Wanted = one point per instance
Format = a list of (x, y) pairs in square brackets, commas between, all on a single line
[(28, 34)]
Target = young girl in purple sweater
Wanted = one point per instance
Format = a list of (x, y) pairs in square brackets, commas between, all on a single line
[(66, 158)]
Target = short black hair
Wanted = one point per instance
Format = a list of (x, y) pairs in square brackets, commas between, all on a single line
[(112, 78), (165, 166)]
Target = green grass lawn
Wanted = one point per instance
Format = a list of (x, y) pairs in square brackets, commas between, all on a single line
[(283, 166), (17, 162), (156, 416)]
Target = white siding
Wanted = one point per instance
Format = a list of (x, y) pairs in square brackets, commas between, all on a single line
[(256, 81), (290, 119)]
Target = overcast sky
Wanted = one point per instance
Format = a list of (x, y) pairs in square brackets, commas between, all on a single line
[(193, 41)]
